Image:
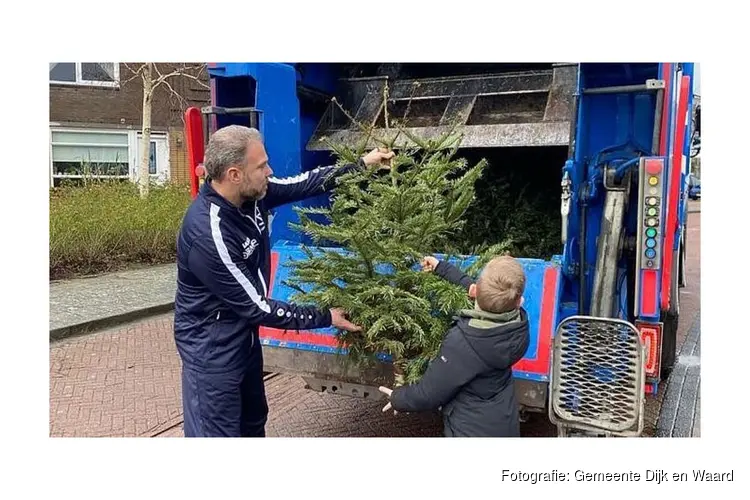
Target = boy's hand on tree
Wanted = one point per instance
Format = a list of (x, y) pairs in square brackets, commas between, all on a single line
[(429, 264), (387, 392), (338, 319), (379, 156)]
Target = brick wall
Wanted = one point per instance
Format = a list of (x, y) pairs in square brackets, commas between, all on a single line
[(122, 107), (178, 158)]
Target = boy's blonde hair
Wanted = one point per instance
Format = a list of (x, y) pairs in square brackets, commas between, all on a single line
[(500, 285)]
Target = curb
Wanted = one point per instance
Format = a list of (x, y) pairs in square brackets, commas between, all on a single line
[(64, 332)]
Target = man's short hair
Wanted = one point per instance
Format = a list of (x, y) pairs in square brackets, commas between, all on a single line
[(227, 147), (500, 285)]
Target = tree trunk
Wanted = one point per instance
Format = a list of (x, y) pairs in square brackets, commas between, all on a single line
[(148, 88)]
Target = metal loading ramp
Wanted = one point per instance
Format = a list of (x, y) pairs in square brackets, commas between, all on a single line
[(527, 108)]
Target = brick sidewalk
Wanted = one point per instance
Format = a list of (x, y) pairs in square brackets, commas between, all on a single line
[(689, 321), (126, 382), (121, 382), (680, 412)]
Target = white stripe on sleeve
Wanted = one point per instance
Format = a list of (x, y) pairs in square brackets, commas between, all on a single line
[(297, 178), (263, 283), (290, 180)]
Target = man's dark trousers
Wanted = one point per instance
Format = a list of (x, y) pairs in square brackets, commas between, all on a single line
[(229, 404)]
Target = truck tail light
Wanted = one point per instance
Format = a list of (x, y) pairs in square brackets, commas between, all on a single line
[(651, 336)]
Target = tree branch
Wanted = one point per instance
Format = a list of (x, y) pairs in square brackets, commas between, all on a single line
[(197, 79), (136, 72), (181, 72), (156, 68), (176, 94), (163, 78)]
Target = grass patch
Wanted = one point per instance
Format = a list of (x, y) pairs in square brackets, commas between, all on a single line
[(106, 226)]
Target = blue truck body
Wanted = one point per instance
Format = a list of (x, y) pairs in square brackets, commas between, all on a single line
[(612, 117)]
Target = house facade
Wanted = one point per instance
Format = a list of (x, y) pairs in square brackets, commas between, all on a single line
[(96, 115)]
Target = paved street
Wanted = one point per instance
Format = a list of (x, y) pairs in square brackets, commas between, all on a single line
[(126, 382), (688, 338)]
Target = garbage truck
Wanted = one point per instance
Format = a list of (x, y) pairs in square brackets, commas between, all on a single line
[(616, 139)]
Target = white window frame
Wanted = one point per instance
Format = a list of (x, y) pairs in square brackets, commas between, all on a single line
[(134, 138), (53, 176), (159, 176), (80, 82)]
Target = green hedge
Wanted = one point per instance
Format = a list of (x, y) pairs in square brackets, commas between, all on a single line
[(105, 226)]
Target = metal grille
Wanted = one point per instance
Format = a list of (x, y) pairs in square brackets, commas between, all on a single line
[(597, 373)]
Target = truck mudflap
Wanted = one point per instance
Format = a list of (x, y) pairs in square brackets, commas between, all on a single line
[(316, 353)]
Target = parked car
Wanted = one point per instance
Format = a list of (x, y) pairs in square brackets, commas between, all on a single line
[(694, 187)]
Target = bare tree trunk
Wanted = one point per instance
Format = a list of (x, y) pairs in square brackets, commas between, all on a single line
[(146, 72), (148, 93)]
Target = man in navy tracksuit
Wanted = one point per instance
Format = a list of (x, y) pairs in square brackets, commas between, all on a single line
[(224, 260)]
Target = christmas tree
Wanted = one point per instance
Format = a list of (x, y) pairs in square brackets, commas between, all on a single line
[(518, 203), (371, 240)]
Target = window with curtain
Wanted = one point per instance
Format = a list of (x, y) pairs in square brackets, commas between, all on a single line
[(77, 154)]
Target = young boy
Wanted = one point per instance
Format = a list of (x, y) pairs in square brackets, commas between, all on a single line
[(471, 377)]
